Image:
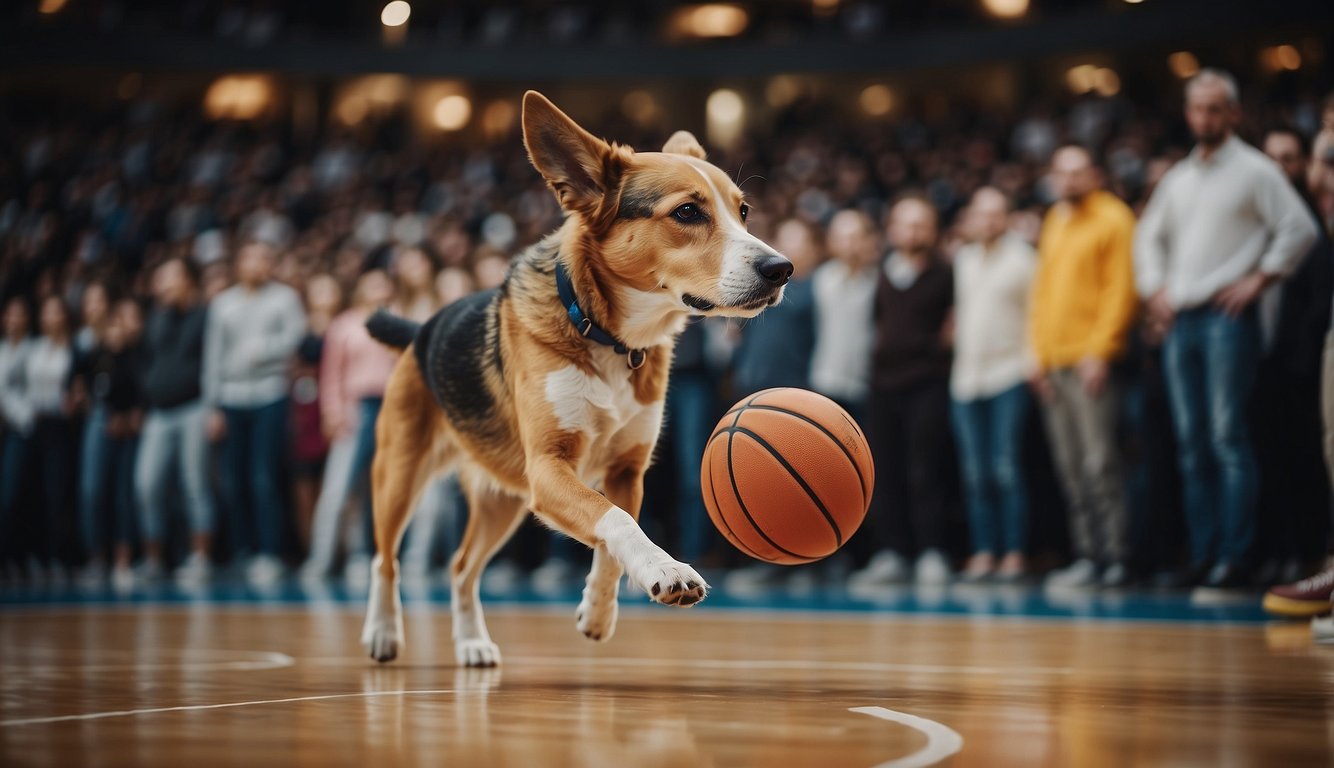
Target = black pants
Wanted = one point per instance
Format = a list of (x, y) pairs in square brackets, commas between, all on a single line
[(910, 438)]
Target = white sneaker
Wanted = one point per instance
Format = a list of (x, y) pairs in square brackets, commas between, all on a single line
[(932, 568), (1322, 629), (314, 571), (122, 579), (501, 576), (149, 572), (1081, 573), (195, 570), (264, 570), (551, 577), (357, 571), (753, 578), (885, 567)]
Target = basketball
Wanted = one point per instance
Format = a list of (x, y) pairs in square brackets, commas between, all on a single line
[(787, 476)]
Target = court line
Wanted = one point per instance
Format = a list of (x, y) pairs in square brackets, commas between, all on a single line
[(941, 740), (203, 707)]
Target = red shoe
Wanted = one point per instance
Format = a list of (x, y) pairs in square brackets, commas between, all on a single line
[(1304, 599)]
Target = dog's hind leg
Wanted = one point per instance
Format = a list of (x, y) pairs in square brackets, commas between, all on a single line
[(409, 449), (493, 516)]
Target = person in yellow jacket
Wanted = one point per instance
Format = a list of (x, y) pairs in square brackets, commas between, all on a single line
[(1082, 306)]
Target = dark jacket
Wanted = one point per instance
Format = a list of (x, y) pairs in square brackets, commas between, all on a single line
[(173, 354), (909, 348), (776, 346)]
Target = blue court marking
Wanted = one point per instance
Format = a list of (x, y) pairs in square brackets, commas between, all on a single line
[(956, 600)]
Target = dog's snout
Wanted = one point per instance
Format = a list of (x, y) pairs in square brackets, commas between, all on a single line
[(774, 269)]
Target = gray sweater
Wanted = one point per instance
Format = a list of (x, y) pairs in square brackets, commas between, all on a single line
[(249, 341)]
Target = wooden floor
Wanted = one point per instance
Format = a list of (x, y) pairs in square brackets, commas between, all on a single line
[(217, 684)]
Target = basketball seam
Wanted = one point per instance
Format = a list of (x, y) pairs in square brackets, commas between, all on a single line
[(791, 470), (722, 518), (737, 492), (861, 480)]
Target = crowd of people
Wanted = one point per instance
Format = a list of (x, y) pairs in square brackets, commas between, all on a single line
[(1069, 335)]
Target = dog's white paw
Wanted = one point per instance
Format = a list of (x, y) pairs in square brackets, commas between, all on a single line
[(597, 618), (476, 653), (382, 639), (673, 583)]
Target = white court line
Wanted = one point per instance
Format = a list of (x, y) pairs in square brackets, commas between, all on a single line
[(941, 740), (227, 705), (797, 664)]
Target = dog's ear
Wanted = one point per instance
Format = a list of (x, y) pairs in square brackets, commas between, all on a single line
[(582, 169), (684, 143)]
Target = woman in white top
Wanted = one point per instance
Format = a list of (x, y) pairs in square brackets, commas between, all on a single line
[(47, 374), (988, 385)]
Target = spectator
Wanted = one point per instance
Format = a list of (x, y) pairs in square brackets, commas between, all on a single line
[(775, 348), (310, 445), (909, 409), (106, 378), (253, 330), (1294, 317), (992, 276), (173, 445), (1082, 310), (415, 294), (16, 419), (47, 375), (353, 373), (95, 306), (844, 293), (1221, 227)]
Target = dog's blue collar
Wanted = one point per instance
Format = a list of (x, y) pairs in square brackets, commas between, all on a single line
[(634, 358)]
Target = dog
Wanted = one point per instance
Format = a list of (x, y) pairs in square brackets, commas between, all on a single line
[(546, 394)]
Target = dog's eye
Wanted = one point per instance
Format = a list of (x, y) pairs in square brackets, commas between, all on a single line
[(688, 213), (745, 211)]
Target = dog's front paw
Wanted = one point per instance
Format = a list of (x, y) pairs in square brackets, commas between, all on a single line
[(674, 584), (382, 639), (476, 653), (597, 619)]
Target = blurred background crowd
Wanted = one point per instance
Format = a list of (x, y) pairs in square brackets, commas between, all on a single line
[(187, 391)]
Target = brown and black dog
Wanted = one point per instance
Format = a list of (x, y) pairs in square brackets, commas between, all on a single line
[(546, 394)]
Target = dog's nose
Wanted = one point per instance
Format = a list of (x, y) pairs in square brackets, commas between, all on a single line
[(775, 269)]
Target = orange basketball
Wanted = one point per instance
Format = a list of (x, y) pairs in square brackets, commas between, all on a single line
[(787, 476)]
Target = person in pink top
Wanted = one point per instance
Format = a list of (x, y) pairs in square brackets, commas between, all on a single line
[(353, 373)]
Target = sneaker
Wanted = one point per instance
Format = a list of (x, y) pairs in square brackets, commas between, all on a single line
[(1013, 567), (264, 570), (932, 568), (1322, 629), (1304, 599), (980, 566), (754, 578), (502, 576), (1081, 573), (194, 571), (357, 571), (1227, 576), (1117, 576), (885, 567), (313, 572), (149, 572), (551, 577), (122, 579)]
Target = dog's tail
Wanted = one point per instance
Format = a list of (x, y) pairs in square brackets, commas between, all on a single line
[(392, 330)]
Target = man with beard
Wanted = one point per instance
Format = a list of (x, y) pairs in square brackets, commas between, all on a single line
[(1222, 226)]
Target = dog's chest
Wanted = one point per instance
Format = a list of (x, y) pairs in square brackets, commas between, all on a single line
[(603, 408)]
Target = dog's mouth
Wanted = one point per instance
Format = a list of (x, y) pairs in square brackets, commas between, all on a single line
[(695, 302), (748, 303)]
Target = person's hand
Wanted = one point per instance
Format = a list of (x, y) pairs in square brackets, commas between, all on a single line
[(1232, 300), (1161, 313), (1093, 374), (1041, 386), (216, 427)]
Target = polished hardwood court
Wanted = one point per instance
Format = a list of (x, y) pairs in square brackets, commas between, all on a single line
[(210, 683)]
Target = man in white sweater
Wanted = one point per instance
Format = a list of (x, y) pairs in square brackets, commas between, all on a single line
[(1222, 226), (252, 331)]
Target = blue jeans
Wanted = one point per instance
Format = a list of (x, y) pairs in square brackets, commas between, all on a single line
[(691, 414), (346, 471), (1210, 363), (252, 469), (94, 482), (174, 446), (990, 434)]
